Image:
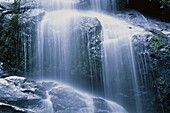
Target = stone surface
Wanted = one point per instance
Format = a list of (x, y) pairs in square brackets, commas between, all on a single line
[(29, 4), (67, 100), (151, 52), (19, 95), (19, 92)]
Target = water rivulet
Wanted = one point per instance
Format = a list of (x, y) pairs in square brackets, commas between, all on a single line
[(88, 49)]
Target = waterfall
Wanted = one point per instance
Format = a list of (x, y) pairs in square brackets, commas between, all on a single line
[(64, 40), (55, 44), (99, 5), (57, 4), (119, 72)]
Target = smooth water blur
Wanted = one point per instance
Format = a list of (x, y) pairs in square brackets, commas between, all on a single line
[(55, 44), (48, 104), (119, 72), (59, 50), (99, 5), (76, 101), (57, 4)]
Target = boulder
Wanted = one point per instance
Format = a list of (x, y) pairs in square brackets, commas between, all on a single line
[(19, 95), (18, 91), (68, 100)]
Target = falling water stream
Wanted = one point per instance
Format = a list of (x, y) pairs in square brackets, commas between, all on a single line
[(59, 41)]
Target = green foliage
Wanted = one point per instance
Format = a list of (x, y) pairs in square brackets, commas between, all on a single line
[(9, 44), (165, 2), (161, 35), (169, 49), (157, 42), (161, 2), (16, 4)]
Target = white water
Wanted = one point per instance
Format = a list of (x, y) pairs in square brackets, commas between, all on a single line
[(56, 41), (86, 103), (100, 5), (118, 59), (48, 104), (57, 4)]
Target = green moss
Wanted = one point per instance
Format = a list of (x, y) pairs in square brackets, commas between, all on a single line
[(157, 42), (169, 49), (8, 45), (165, 2), (161, 35), (16, 4)]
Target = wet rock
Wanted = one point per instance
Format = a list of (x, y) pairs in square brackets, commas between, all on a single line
[(18, 91), (151, 49), (101, 105), (31, 16), (83, 4), (19, 95), (67, 100), (104, 106), (29, 4), (6, 108), (90, 31), (49, 85), (87, 24), (91, 27)]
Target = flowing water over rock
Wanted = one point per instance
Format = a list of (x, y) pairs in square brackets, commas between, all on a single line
[(84, 44), (49, 97), (62, 43), (119, 72), (99, 5), (75, 101), (82, 47), (58, 4)]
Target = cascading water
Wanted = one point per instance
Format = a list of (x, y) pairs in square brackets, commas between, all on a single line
[(62, 45), (48, 104), (63, 49), (99, 5), (57, 4), (119, 73)]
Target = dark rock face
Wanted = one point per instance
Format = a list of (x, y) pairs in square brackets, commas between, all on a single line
[(160, 54), (13, 16), (155, 8), (152, 54), (6, 108), (90, 32)]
